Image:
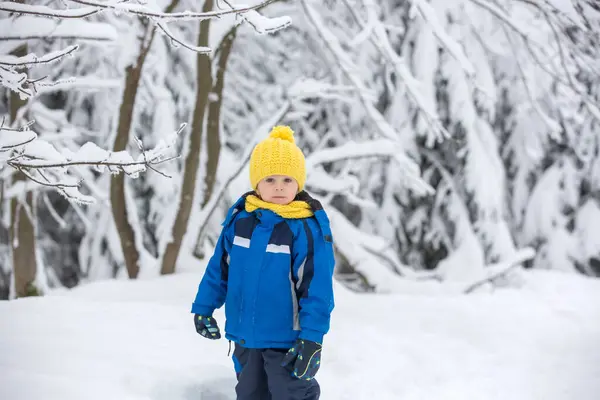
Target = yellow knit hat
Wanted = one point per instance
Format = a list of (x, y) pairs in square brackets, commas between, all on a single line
[(278, 155)]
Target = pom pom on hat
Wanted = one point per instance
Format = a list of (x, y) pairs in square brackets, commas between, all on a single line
[(282, 132), (278, 155)]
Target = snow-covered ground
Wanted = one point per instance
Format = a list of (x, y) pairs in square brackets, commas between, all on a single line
[(128, 340)]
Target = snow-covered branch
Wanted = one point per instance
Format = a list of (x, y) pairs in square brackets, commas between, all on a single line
[(31, 59), (35, 25), (532, 45), (510, 22), (454, 48), (45, 11), (412, 85), (139, 9), (260, 23), (165, 29), (345, 65), (47, 165), (351, 150), (14, 73), (146, 11), (497, 270), (13, 138), (374, 148), (22, 84), (29, 27), (552, 125)]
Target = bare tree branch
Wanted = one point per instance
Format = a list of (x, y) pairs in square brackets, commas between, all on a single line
[(24, 164), (34, 166), (4, 130), (147, 163), (44, 11), (198, 49), (143, 11), (250, 21), (30, 177), (31, 59), (63, 37)]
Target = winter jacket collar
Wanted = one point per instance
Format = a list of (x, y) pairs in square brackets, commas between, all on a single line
[(297, 209), (315, 206)]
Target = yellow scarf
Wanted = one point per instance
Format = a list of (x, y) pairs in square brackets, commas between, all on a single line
[(296, 209)]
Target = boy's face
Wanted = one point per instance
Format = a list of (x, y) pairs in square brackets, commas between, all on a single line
[(278, 189)]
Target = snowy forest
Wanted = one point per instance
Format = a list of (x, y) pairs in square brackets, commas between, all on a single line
[(453, 142)]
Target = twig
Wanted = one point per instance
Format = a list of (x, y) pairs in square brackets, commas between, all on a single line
[(24, 128), (30, 177), (44, 11), (166, 31), (21, 63), (186, 15), (20, 164), (141, 147), (248, 20), (54, 36)]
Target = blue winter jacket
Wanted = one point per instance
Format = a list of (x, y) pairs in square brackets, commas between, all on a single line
[(274, 276)]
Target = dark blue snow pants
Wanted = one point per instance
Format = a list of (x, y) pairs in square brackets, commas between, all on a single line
[(261, 377)]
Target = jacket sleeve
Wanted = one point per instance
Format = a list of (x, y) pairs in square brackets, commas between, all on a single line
[(314, 266), (213, 286)]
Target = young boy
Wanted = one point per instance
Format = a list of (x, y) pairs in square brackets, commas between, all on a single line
[(273, 269)]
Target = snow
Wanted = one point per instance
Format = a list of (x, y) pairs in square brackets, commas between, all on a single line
[(135, 340), (350, 149), (262, 24), (31, 59), (38, 155), (11, 138), (152, 11), (429, 14), (567, 7), (28, 26), (177, 42), (365, 96), (43, 10), (89, 84)]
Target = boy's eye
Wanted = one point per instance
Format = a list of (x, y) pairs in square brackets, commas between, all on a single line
[(288, 180), (269, 180)]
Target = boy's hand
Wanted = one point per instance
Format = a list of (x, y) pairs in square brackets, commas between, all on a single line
[(207, 327), (306, 356)]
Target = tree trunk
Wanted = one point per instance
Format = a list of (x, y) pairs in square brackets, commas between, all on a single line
[(192, 161), (213, 140), (22, 241), (117, 184), (22, 228)]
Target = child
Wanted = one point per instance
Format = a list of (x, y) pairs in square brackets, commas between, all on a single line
[(273, 269)]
